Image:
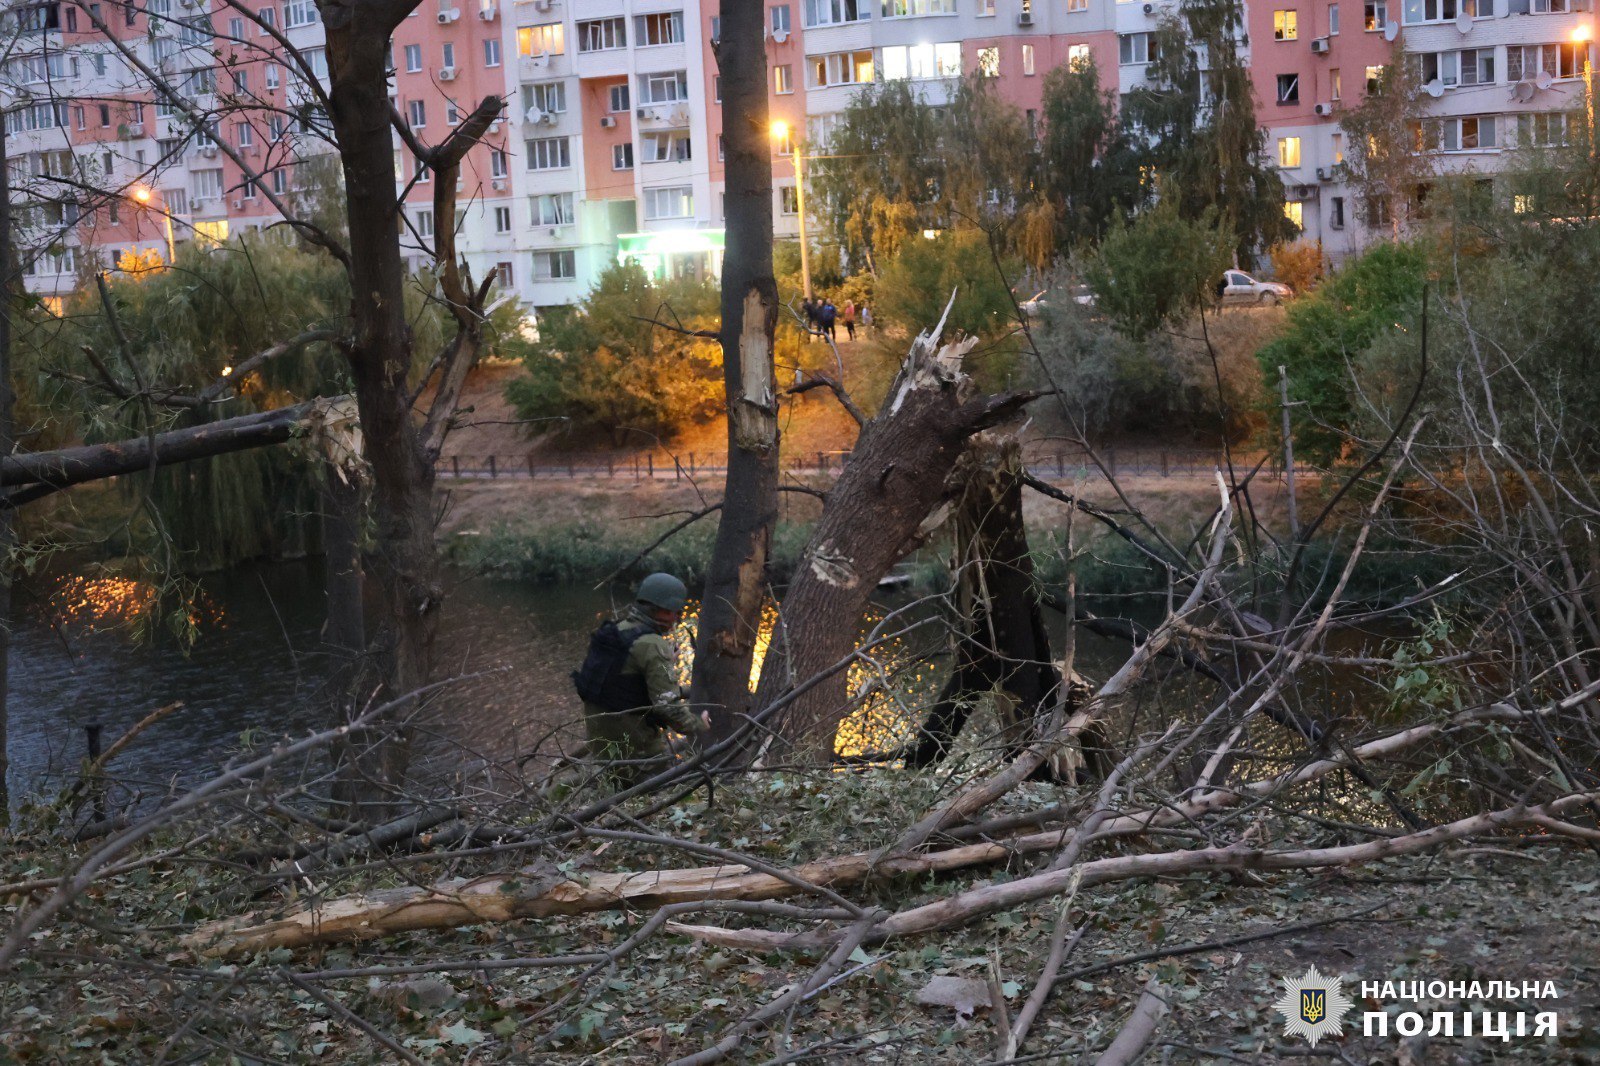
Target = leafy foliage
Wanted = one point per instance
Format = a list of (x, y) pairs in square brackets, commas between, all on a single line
[(1158, 269), (1298, 264), (606, 365), (1204, 138), (1330, 329), (1090, 171), (916, 284)]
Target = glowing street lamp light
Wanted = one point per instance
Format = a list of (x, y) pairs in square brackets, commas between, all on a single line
[(780, 134), (142, 195)]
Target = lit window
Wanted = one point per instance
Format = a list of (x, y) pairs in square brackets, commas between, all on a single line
[(548, 39), (1285, 25), (1078, 57), (989, 62), (1288, 151), (783, 79), (1027, 60), (1295, 212)]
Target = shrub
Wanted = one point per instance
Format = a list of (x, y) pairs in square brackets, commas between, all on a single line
[(1159, 268), (1298, 264)]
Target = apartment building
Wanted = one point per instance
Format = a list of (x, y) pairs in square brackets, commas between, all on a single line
[(610, 144)]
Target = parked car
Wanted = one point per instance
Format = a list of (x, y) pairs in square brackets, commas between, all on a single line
[(1240, 288)]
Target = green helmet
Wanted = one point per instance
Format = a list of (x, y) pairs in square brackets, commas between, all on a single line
[(662, 591)]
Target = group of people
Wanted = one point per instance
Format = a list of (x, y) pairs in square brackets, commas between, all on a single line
[(823, 317)]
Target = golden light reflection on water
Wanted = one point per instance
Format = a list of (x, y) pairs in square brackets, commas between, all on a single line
[(84, 604), (887, 695)]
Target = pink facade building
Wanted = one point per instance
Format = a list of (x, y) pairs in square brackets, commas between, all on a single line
[(610, 142)]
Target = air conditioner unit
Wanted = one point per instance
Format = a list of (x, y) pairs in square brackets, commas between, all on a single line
[(1323, 109), (1304, 192), (498, 184), (488, 14), (1149, 9), (780, 36), (449, 16), (549, 118), (447, 73), (1025, 18), (238, 205), (1319, 46), (555, 231), (209, 153), (1324, 173), (541, 5), (608, 122)]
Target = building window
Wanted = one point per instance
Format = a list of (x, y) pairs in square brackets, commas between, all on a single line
[(1285, 25), (269, 20), (619, 98), (1541, 129), (1338, 148), (499, 163), (1416, 11), (452, 113), (1288, 151), (1027, 60), (1333, 20), (274, 76), (503, 275), (418, 111), (280, 182), (1295, 212), (832, 12), (546, 96), (1563, 60), (840, 68), (722, 148), (667, 88), (674, 202), (1334, 84), (788, 200), (549, 153), (447, 54), (666, 146), (555, 266), (780, 19), (1336, 213), (1374, 79), (664, 27), (920, 61), (299, 13), (491, 51), (245, 134), (622, 156), (549, 38), (1469, 134), (1078, 57), (783, 79), (554, 209), (1288, 88), (989, 62), (985, 8), (893, 9), (1375, 15), (785, 144), (413, 58), (1134, 49), (602, 35), (424, 224)]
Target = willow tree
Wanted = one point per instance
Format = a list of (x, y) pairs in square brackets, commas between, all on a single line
[(1090, 170), (1198, 123)]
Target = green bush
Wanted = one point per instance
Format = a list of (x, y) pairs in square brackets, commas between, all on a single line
[(608, 365), (1158, 269)]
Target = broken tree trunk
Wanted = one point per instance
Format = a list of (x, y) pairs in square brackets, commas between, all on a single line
[(540, 891), (1003, 649), (885, 503)]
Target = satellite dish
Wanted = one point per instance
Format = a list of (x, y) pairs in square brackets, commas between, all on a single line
[(1391, 30), (1522, 91), (1464, 23), (1544, 79), (1434, 88)]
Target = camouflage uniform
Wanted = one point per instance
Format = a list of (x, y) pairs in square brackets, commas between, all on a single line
[(637, 734)]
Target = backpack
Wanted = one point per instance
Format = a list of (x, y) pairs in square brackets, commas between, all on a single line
[(600, 679)]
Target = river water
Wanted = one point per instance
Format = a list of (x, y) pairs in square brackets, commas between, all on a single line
[(255, 667)]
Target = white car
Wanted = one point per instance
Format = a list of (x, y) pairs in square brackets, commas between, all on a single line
[(1240, 288)]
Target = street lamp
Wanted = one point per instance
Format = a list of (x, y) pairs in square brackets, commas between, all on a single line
[(780, 131), (142, 196), (1581, 35)]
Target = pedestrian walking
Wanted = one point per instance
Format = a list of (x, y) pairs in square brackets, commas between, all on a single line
[(866, 317), (850, 319), (826, 318)]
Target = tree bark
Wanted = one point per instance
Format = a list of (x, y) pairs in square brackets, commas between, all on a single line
[(27, 473), (1003, 650), (400, 564), (880, 508), (8, 442), (730, 609)]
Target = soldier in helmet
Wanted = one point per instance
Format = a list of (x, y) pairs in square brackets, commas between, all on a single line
[(629, 684)]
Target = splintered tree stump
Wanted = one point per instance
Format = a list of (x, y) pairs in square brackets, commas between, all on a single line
[(890, 495)]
